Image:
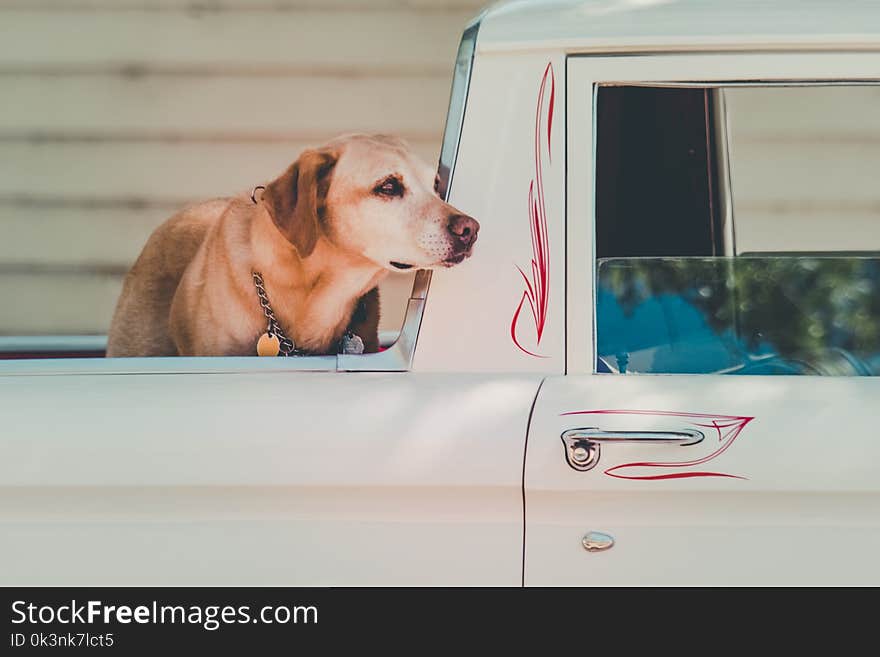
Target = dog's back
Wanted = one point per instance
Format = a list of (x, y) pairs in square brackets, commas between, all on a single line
[(140, 322)]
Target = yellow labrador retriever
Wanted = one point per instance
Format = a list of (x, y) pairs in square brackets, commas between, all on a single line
[(294, 270)]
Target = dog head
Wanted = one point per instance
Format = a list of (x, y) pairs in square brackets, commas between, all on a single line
[(370, 196)]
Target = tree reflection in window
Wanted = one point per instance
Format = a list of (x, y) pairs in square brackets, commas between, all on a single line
[(786, 314)]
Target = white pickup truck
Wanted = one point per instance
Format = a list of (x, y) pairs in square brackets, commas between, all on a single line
[(660, 366)]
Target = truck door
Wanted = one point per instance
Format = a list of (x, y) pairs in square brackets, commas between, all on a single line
[(717, 422), (703, 480)]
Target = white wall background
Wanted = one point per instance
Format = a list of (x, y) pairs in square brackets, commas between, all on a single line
[(115, 112), (805, 168)]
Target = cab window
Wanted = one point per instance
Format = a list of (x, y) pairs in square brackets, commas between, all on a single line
[(738, 231)]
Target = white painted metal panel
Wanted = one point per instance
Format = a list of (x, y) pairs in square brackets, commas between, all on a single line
[(262, 478), (806, 510), (632, 25), (469, 321)]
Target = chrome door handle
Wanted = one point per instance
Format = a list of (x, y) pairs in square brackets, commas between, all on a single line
[(583, 446)]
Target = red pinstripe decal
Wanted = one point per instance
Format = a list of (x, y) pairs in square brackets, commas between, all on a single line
[(537, 283), (726, 427)]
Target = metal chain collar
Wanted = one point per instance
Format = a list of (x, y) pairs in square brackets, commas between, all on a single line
[(286, 347), (350, 343)]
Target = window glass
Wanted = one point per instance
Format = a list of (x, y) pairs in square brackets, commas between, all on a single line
[(738, 229), (747, 315)]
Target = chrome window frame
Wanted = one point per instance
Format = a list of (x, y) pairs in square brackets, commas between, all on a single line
[(399, 356)]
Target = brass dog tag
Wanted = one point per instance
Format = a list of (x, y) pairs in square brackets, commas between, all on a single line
[(268, 345)]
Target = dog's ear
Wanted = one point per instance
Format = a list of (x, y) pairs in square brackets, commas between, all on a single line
[(296, 200)]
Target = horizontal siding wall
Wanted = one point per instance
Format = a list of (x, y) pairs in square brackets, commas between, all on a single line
[(113, 113), (804, 168)]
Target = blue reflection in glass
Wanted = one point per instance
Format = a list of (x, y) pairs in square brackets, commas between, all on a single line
[(748, 315)]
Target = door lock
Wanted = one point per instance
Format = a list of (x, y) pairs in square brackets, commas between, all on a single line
[(597, 541)]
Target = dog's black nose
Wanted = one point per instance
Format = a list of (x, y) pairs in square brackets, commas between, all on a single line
[(463, 229)]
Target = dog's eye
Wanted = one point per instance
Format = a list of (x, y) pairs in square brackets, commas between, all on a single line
[(390, 187)]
